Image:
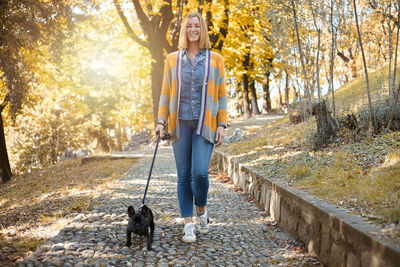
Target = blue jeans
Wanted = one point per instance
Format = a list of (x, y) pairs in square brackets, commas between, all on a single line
[(192, 157)]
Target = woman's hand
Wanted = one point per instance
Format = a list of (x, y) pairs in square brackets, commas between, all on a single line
[(160, 129), (219, 135)]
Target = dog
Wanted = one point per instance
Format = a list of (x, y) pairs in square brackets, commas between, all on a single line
[(139, 223)]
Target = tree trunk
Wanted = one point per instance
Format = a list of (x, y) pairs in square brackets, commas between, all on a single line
[(332, 61), (371, 122), (390, 46), (54, 140), (246, 101), (395, 94), (287, 91), (5, 169), (103, 142), (325, 124), (301, 56), (119, 134), (391, 117), (319, 45), (280, 96), (254, 103), (239, 100), (155, 28), (391, 92), (267, 94), (157, 69), (215, 38)]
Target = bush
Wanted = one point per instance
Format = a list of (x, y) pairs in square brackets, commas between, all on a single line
[(298, 171), (380, 112), (314, 141)]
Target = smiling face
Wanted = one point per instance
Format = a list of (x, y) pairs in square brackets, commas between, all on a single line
[(193, 30)]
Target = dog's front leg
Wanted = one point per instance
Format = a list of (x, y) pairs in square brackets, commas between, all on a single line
[(128, 237), (152, 226), (149, 239)]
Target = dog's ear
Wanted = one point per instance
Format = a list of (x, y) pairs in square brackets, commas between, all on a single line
[(145, 210), (131, 211)]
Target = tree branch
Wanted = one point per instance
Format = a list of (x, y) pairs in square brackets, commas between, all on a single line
[(143, 19), (177, 27), (224, 30), (127, 26), (167, 16), (343, 56)]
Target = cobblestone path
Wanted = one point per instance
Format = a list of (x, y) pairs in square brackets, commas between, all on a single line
[(240, 234)]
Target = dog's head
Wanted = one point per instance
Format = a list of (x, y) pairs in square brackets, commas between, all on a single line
[(139, 221)]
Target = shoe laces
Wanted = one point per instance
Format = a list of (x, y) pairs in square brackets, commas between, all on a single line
[(189, 229), (203, 218)]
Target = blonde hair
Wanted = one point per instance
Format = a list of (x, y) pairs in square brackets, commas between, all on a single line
[(204, 42)]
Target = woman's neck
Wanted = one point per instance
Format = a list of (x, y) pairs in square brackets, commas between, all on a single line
[(193, 48)]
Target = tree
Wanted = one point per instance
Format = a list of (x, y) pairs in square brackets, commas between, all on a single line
[(393, 85), (93, 94), (287, 90), (318, 50), (245, 84), (307, 88), (23, 24), (161, 26), (397, 92), (333, 44), (390, 45), (371, 122)]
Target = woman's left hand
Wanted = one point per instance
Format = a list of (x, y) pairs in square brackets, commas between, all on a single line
[(219, 135)]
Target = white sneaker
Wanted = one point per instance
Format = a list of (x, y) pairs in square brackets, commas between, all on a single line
[(204, 223), (189, 233)]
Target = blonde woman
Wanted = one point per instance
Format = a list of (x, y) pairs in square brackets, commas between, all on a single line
[(193, 104)]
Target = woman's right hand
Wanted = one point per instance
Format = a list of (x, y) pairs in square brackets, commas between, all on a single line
[(160, 130)]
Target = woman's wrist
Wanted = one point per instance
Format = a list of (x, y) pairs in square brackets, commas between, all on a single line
[(161, 122)]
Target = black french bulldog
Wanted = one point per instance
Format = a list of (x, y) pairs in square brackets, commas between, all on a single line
[(139, 224)]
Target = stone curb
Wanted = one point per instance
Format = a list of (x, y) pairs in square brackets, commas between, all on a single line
[(86, 160), (334, 236)]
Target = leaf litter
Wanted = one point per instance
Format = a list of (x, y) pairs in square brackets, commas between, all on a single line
[(34, 206), (354, 172)]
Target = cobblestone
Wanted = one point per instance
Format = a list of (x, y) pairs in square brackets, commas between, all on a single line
[(240, 233)]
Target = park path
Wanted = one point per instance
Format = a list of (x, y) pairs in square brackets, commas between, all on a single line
[(241, 234)]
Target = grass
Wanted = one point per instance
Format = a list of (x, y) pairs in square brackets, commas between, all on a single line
[(375, 190), (357, 172), (34, 206), (351, 96)]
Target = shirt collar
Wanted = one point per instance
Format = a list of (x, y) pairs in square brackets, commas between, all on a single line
[(202, 52)]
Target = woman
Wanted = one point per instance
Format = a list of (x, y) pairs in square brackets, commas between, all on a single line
[(194, 102)]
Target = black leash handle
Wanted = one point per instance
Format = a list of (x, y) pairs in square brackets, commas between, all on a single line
[(165, 137)]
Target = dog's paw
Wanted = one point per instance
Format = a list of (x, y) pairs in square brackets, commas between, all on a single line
[(128, 244)]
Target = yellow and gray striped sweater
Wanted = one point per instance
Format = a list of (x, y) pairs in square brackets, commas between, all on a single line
[(213, 109)]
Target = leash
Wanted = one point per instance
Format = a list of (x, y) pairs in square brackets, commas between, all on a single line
[(166, 136)]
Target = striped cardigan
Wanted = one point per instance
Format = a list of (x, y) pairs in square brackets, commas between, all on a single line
[(213, 109)]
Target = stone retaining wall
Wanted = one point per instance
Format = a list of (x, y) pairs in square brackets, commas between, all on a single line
[(334, 236)]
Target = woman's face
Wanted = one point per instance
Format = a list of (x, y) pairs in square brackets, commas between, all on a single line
[(193, 30)]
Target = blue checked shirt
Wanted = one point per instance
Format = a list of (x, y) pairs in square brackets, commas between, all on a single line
[(192, 80)]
